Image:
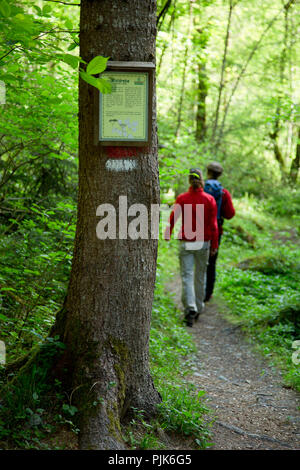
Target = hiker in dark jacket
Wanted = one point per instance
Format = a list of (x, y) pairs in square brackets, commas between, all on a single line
[(225, 211)]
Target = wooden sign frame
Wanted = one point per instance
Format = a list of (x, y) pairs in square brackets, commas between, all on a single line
[(126, 67)]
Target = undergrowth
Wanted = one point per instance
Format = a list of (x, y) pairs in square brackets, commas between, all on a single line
[(183, 410), (183, 407), (259, 277)]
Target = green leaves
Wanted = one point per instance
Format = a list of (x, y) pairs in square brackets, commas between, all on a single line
[(102, 85), (47, 10), (71, 60), (96, 66), (5, 10), (69, 409)]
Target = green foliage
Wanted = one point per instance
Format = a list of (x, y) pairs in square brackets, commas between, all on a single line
[(259, 259), (35, 265), (285, 202), (142, 434), (96, 66), (25, 30), (261, 287), (172, 350), (182, 412), (256, 93), (27, 403)]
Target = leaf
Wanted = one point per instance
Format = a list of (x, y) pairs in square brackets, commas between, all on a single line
[(3, 317), (72, 46), (71, 60), (39, 11), (47, 9), (5, 9), (23, 24), (72, 410), (68, 24), (97, 65), (103, 85)]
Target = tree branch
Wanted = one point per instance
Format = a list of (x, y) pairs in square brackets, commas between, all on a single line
[(64, 3), (52, 31), (163, 12), (7, 53)]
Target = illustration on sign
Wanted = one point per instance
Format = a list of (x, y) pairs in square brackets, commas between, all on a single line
[(124, 111)]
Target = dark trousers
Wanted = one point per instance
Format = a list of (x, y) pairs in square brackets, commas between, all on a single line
[(211, 274)]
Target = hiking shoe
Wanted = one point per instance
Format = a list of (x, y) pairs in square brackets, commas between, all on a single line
[(198, 313), (188, 320)]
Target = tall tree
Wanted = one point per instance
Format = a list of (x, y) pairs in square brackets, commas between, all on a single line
[(244, 68), (294, 170), (105, 320), (200, 42), (274, 135), (185, 61), (222, 79)]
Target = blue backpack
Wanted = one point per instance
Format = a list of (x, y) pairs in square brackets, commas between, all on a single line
[(214, 188)]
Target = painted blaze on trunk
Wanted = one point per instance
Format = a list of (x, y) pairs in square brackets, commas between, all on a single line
[(105, 321)]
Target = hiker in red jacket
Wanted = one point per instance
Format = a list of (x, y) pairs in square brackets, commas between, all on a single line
[(198, 238), (225, 211)]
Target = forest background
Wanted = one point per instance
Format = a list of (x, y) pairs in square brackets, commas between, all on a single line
[(227, 90)]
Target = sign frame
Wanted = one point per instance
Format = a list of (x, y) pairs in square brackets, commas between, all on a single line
[(116, 66)]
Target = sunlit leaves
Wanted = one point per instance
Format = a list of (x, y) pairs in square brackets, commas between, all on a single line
[(46, 10), (4, 9), (96, 66), (28, 30), (71, 60)]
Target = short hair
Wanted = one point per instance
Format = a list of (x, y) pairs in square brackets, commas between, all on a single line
[(215, 168)]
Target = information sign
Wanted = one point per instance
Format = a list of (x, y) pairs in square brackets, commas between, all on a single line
[(125, 113)]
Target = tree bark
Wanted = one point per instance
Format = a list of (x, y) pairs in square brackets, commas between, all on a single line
[(278, 154), (222, 80), (105, 321), (201, 102), (185, 60), (294, 170)]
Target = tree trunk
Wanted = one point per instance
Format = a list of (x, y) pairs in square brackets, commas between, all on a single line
[(294, 170), (278, 154), (201, 103), (185, 60), (105, 321), (222, 79), (165, 46)]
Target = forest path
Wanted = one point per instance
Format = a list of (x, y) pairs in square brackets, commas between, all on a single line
[(252, 409)]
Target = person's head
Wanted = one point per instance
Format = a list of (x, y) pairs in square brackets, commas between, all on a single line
[(196, 178), (214, 170)]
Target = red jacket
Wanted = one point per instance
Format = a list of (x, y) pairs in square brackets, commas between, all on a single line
[(207, 229), (227, 209)]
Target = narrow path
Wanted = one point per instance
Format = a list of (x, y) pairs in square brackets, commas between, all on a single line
[(252, 408)]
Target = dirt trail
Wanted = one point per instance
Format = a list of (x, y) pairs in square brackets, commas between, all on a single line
[(252, 409)]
